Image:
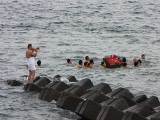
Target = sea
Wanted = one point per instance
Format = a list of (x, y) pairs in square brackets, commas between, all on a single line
[(74, 29)]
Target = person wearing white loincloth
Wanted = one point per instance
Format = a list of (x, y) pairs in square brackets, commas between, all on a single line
[(31, 53), (31, 63)]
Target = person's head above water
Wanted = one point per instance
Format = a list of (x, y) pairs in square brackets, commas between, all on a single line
[(80, 62), (85, 64), (124, 59), (102, 63), (87, 58), (39, 62), (137, 62), (143, 56), (29, 46), (91, 61), (69, 61)]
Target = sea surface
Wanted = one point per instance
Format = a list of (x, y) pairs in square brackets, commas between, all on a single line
[(73, 29)]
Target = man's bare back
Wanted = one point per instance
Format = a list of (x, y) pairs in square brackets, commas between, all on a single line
[(28, 53)]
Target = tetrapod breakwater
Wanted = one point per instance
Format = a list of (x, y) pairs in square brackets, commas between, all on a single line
[(94, 102)]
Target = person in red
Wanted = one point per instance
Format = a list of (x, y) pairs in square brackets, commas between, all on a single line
[(114, 61)]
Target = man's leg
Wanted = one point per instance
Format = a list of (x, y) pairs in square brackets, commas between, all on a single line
[(29, 76), (33, 75)]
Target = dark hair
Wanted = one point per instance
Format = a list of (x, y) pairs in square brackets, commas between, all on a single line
[(87, 58), (124, 59), (86, 64), (139, 61), (102, 63), (91, 61), (80, 62), (39, 62), (143, 56), (68, 60), (136, 63), (29, 45)]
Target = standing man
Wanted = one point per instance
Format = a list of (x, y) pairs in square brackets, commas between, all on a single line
[(31, 53)]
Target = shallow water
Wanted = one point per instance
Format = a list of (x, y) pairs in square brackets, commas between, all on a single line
[(73, 29)]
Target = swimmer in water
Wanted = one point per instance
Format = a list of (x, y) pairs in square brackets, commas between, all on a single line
[(124, 61), (69, 61), (103, 64), (137, 62), (91, 63), (143, 56), (87, 59), (80, 64), (39, 62), (85, 64)]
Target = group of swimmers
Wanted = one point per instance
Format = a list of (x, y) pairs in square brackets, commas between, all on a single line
[(112, 61), (87, 63)]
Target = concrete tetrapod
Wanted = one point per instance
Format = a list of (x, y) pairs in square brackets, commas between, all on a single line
[(85, 83), (68, 101), (57, 78), (88, 110), (109, 113), (37, 85), (32, 87), (52, 92), (49, 94), (14, 83), (102, 87), (117, 103), (142, 109), (96, 96), (75, 90), (51, 84), (72, 78), (60, 86), (121, 92), (91, 103), (153, 101), (155, 116), (132, 116), (42, 82), (140, 98)]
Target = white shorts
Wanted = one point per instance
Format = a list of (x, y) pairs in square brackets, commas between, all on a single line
[(31, 63)]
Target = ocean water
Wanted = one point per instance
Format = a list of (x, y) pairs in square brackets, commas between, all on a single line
[(73, 29)]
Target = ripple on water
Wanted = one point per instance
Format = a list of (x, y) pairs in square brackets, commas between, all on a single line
[(74, 29), (156, 42), (5, 116)]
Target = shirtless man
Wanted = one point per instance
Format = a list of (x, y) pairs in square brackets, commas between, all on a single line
[(31, 53)]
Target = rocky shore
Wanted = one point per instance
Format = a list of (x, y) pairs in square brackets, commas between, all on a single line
[(94, 102)]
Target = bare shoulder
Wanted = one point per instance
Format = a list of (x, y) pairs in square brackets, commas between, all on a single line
[(28, 53)]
